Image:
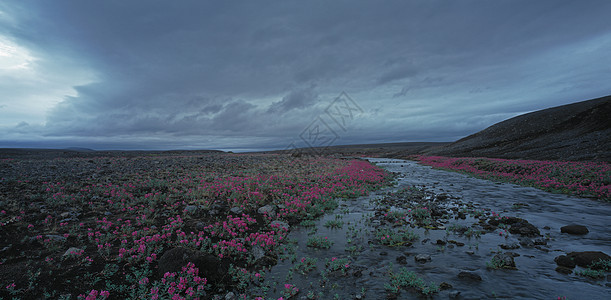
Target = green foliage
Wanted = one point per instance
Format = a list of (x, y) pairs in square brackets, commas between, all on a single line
[(393, 238), (337, 266), (334, 224), (597, 269), (405, 279), (305, 266), (319, 242)]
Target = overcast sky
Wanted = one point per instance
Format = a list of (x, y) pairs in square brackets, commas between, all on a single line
[(264, 74)]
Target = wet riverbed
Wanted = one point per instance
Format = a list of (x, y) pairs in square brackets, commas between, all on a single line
[(459, 240)]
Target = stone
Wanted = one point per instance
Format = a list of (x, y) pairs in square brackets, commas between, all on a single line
[(526, 242), (574, 229), (587, 258), (190, 209), (459, 244), (504, 261), (470, 276), (524, 228), (267, 261), (454, 294), (540, 241), (230, 296), (55, 237), (509, 246), (200, 226), (564, 270), (236, 210), (565, 261), (267, 210), (422, 258), (257, 252), (72, 251), (402, 260), (441, 242), (445, 286)]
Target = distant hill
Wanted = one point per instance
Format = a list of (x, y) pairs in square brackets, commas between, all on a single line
[(578, 131)]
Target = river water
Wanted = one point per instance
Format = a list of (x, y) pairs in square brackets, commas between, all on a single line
[(370, 262)]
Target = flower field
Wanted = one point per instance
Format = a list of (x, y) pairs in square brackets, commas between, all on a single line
[(585, 179), (124, 227)]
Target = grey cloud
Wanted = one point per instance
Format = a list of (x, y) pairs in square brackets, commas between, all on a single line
[(297, 99), (262, 69)]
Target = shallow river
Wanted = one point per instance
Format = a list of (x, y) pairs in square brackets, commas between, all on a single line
[(535, 277)]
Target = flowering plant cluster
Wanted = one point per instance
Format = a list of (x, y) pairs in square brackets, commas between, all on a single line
[(123, 213), (575, 178)]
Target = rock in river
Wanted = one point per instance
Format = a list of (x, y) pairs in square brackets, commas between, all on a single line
[(524, 228), (422, 258), (504, 261), (587, 258), (574, 229), (565, 261), (469, 276)]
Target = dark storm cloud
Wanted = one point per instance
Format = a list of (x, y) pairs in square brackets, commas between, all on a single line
[(422, 70), (298, 99)]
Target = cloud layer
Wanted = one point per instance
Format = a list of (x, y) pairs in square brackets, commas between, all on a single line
[(156, 75)]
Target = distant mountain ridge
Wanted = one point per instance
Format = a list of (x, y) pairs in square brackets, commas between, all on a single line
[(577, 131)]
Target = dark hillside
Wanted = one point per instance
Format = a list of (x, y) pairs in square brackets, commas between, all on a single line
[(578, 131)]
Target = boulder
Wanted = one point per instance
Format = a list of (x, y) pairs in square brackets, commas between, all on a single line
[(524, 228), (564, 270), (237, 211), (574, 229), (72, 251), (470, 276), (505, 261), (422, 258), (587, 258), (269, 210), (565, 261), (190, 209), (509, 246)]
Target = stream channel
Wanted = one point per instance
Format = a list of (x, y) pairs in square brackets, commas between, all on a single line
[(453, 236)]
